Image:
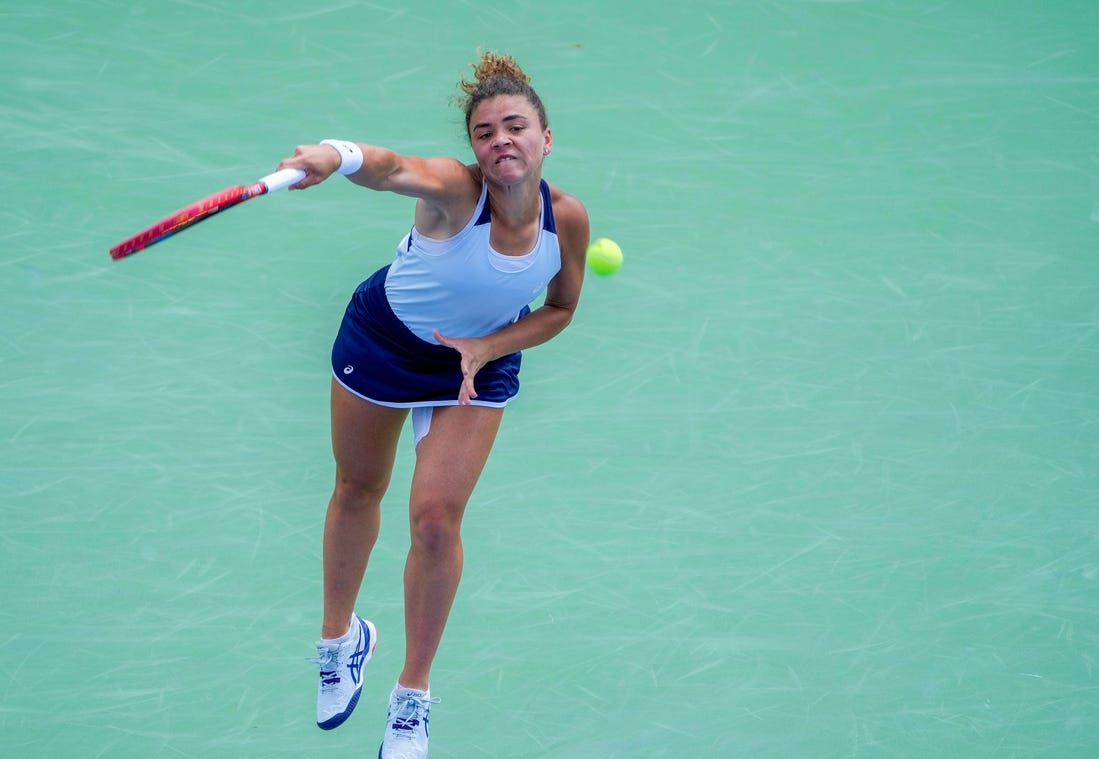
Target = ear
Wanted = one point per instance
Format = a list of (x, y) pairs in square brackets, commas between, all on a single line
[(548, 135)]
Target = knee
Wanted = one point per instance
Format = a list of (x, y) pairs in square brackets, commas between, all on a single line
[(436, 526), (358, 493)]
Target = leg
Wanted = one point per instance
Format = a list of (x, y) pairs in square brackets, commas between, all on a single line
[(448, 462), (364, 441)]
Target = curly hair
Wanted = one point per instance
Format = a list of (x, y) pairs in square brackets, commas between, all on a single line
[(497, 74)]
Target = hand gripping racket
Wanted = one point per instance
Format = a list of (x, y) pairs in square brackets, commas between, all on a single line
[(204, 209)]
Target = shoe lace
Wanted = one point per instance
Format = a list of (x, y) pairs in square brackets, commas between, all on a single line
[(409, 711), (328, 660)]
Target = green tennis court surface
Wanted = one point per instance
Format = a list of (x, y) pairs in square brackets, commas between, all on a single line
[(816, 474)]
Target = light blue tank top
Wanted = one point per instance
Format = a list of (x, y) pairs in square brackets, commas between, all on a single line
[(461, 286)]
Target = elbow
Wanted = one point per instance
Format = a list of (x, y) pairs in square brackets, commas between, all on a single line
[(562, 317)]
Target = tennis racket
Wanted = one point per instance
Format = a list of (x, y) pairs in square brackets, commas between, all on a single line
[(204, 209)]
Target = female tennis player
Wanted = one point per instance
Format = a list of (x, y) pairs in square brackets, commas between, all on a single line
[(437, 332)]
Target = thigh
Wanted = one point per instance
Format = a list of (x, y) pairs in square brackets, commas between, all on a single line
[(364, 438), (450, 459)]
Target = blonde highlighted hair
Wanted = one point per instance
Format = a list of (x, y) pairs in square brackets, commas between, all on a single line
[(497, 74)]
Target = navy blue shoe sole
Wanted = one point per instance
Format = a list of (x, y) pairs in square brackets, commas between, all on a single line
[(333, 722)]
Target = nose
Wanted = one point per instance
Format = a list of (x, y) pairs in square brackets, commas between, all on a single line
[(500, 140)]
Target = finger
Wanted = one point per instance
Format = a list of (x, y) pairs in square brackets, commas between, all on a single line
[(311, 177), (466, 394), (442, 339), (307, 181)]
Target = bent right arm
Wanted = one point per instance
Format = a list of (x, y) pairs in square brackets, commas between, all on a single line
[(446, 190)]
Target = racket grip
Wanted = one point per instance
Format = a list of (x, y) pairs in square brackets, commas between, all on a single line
[(280, 180)]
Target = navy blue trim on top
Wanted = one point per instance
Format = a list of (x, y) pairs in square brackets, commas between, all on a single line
[(485, 216), (548, 223)]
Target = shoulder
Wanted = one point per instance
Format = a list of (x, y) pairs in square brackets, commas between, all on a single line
[(570, 216), (568, 204), (443, 209), (454, 178)]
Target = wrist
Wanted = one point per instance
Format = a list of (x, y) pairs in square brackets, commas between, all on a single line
[(351, 155)]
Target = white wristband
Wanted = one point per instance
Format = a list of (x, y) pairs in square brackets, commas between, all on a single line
[(351, 156)]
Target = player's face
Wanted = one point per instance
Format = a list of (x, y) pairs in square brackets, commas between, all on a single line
[(508, 138)]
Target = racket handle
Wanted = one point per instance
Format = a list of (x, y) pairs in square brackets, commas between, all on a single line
[(280, 180)]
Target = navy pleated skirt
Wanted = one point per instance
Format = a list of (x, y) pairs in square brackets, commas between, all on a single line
[(378, 358)]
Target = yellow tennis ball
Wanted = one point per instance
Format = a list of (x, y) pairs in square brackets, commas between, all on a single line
[(604, 256)]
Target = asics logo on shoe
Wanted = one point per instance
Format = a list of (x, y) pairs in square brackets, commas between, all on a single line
[(355, 662)]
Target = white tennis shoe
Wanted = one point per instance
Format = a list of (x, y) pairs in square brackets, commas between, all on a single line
[(406, 727), (341, 675)]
